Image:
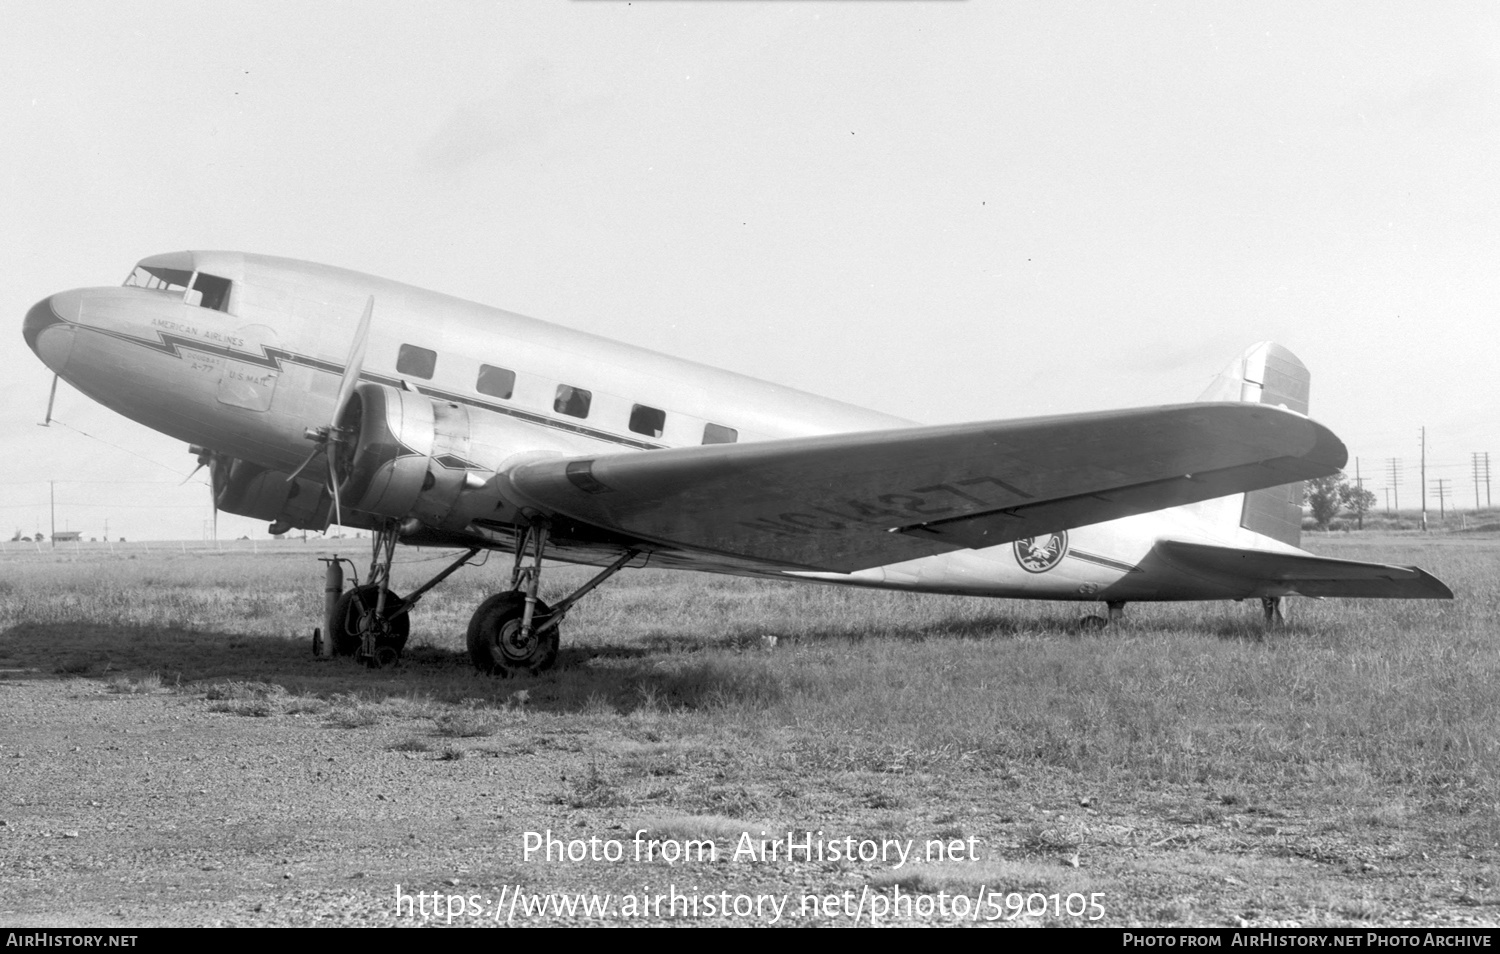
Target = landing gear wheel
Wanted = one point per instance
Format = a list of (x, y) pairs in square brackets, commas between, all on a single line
[(347, 635), (385, 655), (495, 643)]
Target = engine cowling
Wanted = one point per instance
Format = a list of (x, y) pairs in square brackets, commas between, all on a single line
[(413, 457)]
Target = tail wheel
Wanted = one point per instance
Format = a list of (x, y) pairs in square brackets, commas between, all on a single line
[(495, 642), (349, 612)]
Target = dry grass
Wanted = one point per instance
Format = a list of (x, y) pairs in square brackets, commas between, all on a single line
[(467, 723), (1380, 713), (133, 685)]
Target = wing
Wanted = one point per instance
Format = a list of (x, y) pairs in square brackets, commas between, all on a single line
[(1304, 574), (849, 501)]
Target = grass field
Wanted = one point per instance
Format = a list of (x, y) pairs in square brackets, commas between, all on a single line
[(1374, 723)]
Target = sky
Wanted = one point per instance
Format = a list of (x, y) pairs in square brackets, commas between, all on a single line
[(942, 210)]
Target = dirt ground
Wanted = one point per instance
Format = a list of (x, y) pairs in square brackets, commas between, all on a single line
[(150, 806)]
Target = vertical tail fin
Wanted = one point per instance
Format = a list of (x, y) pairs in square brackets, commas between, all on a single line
[(1267, 373)]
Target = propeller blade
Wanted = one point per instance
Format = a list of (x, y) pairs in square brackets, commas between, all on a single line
[(347, 383), (355, 363), (338, 511)]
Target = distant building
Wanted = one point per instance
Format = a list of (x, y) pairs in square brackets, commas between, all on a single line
[(67, 536)]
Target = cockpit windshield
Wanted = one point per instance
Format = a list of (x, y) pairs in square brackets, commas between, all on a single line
[(195, 288), (154, 276)]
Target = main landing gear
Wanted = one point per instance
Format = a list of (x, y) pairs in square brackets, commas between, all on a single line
[(512, 633), (1276, 611), (371, 622)]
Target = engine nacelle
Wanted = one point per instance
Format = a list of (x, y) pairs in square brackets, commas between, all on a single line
[(251, 490), (411, 456)]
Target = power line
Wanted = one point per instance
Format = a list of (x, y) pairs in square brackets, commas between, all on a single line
[(77, 480), (107, 506), (119, 448)]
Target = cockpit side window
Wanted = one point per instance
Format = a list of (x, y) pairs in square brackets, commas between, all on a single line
[(200, 288), (215, 291)]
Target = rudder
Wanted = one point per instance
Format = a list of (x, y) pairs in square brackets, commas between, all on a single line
[(1268, 374)]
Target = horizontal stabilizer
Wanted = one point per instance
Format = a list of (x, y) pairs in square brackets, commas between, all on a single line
[(1303, 574), (849, 501)]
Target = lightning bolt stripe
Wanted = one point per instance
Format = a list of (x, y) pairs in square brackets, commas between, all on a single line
[(535, 418), (276, 359)]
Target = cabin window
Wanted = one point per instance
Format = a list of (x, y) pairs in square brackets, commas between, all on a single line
[(647, 420), (496, 382), (417, 362), (572, 401), (719, 434)]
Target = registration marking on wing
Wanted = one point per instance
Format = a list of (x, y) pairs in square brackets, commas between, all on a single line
[(891, 510)]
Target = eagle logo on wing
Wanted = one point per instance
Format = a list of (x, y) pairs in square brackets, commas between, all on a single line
[(1040, 554)]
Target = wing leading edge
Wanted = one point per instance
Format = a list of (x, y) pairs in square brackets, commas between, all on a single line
[(846, 502)]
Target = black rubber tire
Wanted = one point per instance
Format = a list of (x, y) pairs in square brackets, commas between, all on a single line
[(491, 632), (346, 635)]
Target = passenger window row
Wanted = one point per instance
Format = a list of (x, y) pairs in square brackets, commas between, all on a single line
[(570, 400)]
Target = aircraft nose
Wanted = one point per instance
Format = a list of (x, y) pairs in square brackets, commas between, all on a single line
[(49, 325)]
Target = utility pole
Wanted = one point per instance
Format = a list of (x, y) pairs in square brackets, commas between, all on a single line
[(1481, 466), (1424, 478), (1359, 485), (1475, 457), (1442, 492), (1394, 464)]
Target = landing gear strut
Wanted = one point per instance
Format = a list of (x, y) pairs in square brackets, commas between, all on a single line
[(380, 624), (514, 632), (1275, 612)]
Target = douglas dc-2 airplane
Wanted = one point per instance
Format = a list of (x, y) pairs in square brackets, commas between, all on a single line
[(318, 395)]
